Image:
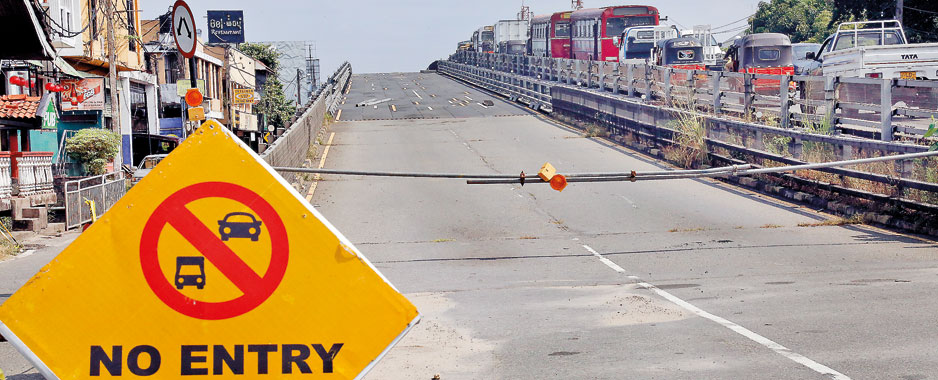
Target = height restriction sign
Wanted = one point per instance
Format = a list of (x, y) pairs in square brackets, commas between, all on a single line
[(211, 266)]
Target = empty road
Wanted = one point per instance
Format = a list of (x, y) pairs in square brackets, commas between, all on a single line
[(687, 279)]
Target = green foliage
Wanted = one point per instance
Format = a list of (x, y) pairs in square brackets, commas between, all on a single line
[(931, 131), (262, 52), (94, 147), (802, 20), (918, 17), (777, 145), (273, 102)]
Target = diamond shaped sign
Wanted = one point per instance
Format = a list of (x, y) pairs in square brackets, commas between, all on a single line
[(211, 267)]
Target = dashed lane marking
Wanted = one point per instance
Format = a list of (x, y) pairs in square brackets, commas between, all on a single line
[(766, 342), (418, 95)]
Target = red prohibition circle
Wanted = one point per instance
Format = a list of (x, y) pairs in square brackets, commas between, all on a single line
[(255, 288)]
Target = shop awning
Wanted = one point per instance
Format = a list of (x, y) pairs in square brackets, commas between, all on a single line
[(24, 35)]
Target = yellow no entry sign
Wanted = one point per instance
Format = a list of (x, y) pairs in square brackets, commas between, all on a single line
[(212, 266)]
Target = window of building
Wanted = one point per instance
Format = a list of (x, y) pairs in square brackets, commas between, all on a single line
[(132, 24)]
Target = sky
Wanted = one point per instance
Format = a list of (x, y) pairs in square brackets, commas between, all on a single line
[(407, 35)]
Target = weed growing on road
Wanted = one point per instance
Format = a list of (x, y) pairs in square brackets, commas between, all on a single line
[(690, 138), (8, 249), (442, 240), (594, 130), (770, 226), (855, 219)]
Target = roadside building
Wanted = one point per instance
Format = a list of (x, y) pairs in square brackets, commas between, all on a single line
[(172, 73), (239, 79), (29, 114), (89, 54)]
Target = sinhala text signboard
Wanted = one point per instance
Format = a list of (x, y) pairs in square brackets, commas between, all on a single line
[(83, 94), (226, 27)]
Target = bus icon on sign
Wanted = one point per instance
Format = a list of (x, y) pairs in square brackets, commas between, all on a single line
[(190, 271)]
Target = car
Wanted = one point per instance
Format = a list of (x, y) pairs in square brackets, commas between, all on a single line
[(147, 164), (229, 227), (804, 65), (185, 273)]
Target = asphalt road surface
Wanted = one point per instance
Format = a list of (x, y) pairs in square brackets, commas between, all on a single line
[(689, 279)]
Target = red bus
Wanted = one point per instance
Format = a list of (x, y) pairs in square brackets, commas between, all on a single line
[(550, 35), (593, 29)]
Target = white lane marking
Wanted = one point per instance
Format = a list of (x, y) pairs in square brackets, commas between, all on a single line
[(766, 342), (467, 97), (418, 95), (604, 260), (483, 105), (629, 200), (520, 196), (430, 108)]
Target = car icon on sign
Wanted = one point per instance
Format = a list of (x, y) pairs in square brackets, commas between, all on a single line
[(239, 225)]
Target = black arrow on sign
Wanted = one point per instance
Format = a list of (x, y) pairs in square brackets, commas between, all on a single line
[(182, 21)]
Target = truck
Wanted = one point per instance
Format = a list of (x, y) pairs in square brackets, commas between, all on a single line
[(511, 36), (482, 39), (875, 49), (636, 43), (713, 56)]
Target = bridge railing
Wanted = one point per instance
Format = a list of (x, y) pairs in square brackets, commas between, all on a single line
[(759, 118), (883, 109)]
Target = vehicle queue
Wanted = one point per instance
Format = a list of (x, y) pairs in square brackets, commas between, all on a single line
[(633, 34)]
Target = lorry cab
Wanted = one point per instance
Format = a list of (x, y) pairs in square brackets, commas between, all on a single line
[(636, 43), (860, 34), (875, 49)]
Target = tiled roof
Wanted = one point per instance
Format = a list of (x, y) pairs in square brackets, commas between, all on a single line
[(18, 106)]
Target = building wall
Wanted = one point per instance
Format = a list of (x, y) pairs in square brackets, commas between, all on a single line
[(129, 52)]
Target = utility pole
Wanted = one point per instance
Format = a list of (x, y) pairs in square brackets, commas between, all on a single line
[(299, 86), (112, 73), (899, 5)]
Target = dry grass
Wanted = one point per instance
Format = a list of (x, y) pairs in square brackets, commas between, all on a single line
[(8, 249), (855, 219), (528, 238), (593, 130), (690, 138), (442, 240), (770, 225), (698, 229)]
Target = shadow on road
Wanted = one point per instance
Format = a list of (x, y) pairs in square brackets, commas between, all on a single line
[(27, 376)]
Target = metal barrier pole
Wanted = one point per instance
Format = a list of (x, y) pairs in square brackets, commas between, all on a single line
[(784, 112), (885, 102)]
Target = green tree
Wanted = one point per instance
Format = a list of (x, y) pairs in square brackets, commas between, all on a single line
[(801, 20), (262, 52), (919, 17), (273, 102), (93, 147)]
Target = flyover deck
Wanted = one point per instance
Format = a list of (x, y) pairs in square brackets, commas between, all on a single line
[(418, 96), (512, 286)]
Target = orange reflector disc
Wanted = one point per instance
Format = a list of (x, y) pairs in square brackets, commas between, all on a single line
[(193, 97), (558, 182)]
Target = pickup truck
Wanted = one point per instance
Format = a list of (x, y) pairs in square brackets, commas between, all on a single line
[(875, 49)]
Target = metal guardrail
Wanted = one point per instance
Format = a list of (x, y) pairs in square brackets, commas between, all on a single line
[(883, 109), (647, 101), (105, 190)]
